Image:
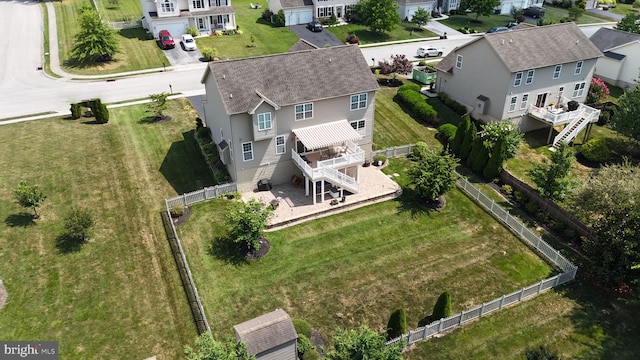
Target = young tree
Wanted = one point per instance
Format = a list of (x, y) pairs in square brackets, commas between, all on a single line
[(479, 155), (540, 353), (29, 196), (442, 308), (479, 7), (598, 91), (627, 119), (469, 138), (378, 15), (494, 165), (517, 13), (506, 131), (397, 325), (247, 222), (434, 175), (78, 223), (158, 104), (575, 12), (552, 178), (421, 17), (363, 344), (461, 131), (628, 23), (96, 41), (206, 348)]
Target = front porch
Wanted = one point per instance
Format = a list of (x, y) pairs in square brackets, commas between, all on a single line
[(572, 121)]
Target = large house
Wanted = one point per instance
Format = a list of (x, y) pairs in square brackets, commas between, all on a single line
[(406, 8), (528, 75), (271, 336), (620, 65), (303, 11), (177, 15), (303, 116)]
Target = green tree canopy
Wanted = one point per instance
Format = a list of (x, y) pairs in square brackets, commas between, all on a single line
[(627, 119), (628, 23), (434, 175), (29, 196), (363, 344), (206, 348), (247, 222), (506, 131), (479, 7), (96, 41), (552, 178), (78, 223), (378, 15), (494, 165), (442, 309), (397, 325), (421, 17), (461, 131), (158, 104)]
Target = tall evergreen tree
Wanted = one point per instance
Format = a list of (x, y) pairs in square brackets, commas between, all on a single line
[(494, 165), (442, 308), (461, 131), (397, 324), (469, 138), (479, 155), (96, 41)]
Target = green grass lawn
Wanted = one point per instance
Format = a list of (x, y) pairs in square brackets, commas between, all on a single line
[(136, 51), (486, 22), (119, 296), (403, 31), (120, 10), (623, 9), (557, 13)]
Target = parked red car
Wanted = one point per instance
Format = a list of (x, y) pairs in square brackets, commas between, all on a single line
[(166, 40)]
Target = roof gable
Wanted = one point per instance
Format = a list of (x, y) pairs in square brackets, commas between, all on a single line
[(266, 331), (606, 39), (291, 78)]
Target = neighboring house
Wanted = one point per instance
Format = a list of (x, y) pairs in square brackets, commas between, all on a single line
[(504, 8), (269, 337), (620, 65), (406, 8), (307, 114), (304, 11), (177, 15), (527, 75)]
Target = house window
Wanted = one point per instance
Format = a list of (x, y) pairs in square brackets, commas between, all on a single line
[(560, 94), (304, 111), (523, 102), (518, 80), (325, 11), (529, 79), (578, 90), (264, 121), (358, 126), (167, 6), (556, 71), (358, 101), (578, 68), (512, 103), (247, 151), (198, 4), (459, 62), (280, 145)]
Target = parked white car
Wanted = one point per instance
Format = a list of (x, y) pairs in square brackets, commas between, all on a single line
[(428, 51), (188, 42)]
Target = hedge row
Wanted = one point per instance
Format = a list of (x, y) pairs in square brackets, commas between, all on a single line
[(416, 104), (452, 104), (98, 109)]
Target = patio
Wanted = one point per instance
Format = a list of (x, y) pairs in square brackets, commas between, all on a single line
[(293, 207)]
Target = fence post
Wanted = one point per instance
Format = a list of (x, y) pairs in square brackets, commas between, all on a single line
[(540, 286), (461, 316), (481, 310), (557, 280), (501, 302), (440, 326), (555, 259), (521, 293), (521, 228), (184, 199)]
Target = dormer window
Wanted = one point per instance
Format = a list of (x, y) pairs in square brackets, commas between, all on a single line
[(167, 6), (264, 121)]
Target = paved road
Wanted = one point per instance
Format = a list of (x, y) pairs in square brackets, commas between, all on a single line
[(319, 39)]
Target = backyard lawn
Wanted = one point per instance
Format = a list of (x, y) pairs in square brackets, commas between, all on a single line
[(119, 296), (120, 10)]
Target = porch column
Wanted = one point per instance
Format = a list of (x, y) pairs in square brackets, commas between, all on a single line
[(314, 193), (306, 186), (550, 132), (321, 190)]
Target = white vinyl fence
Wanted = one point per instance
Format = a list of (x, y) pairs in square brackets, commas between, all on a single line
[(198, 196)]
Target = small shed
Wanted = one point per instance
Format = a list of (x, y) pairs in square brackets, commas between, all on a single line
[(270, 336)]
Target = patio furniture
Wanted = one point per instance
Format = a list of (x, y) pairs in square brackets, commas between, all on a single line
[(264, 185)]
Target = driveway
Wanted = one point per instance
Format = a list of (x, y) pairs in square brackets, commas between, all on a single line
[(319, 39), (177, 56), (610, 15)]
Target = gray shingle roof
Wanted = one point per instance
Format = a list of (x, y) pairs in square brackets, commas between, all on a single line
[(606, 38), (302, 44), (409, 2), (535, 47), (266, 331), (291, 78), (289, 4)]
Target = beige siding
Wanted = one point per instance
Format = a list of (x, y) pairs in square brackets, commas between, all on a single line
[(217, 120), (631, 65), (264, 134)]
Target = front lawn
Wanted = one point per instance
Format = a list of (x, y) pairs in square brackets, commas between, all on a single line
[(119, 296), (485, 22), (557, 13), (120, 10), (403, 31)]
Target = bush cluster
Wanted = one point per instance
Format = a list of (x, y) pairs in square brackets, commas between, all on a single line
[(209, 53), (76, 111), (176, 211), (452, 104), (278, 19), (193, 31), (467, 30), (203, 133), (353, 39), (267, 14), (446, 133), (98, 109), (379, 157), (302, 327), (417, 105), (420, 150), (596, 150)]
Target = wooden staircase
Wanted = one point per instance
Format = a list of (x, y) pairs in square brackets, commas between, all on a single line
[(576, 126)]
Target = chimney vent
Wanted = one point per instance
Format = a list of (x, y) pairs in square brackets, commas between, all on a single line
[(230, 96)]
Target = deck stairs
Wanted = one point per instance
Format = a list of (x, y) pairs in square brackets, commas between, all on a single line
[(576, 126)]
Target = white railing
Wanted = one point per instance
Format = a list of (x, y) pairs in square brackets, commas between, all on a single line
[(325, 173), (554, 118), (587, 115), (201, 195)]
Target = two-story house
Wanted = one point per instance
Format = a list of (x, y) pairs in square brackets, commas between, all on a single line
[(527, 75), (306, 113), (619, 65), (177, 15), (406, 8), (303, 11)]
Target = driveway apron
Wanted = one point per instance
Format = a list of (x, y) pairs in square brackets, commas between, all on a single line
[(319, 39)]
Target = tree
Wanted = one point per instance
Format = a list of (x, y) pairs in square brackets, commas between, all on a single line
[(598, 91), (279, 19), (627, 119), (363, 344), (247, 222), (206, 348), (479, 155), (434, 175), (575, 12), (96, 41), (540, 353), (378, 15), (458, 139), (479, 7), (397, 325), (421, 17), (494, 165), (552, 178), (78, 223), (517, 13), (506, 131), (29, 196), (469, 138), (628, 23), (442, 308), (158, 104)]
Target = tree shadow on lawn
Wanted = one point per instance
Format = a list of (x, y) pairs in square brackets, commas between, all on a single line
[(67, 244), (409, 203), (22, 219), (226, 250), (184, 167), (137, 33)]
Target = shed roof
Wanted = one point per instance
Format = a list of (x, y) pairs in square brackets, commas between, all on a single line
[(291, 78), (606, 39), (266, 331)]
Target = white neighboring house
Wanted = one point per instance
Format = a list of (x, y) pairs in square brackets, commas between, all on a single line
[(620, 65), (295, 11), (406, 8), (177, 15)]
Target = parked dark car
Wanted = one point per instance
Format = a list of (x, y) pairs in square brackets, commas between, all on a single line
[(498, 29), (166, 40), (314, 26), (534, 12)]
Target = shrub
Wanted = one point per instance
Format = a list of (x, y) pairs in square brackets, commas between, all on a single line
[(311, 355), (636, 4), (520, 197), (332, 20), (203, 132), (267, 14), (199, 123), (76, 111), (302, 327), (417, 106), (452, 104), (353, 39), (278, 19), (221, 177), (193, 31), (379, 157), (422, 63), (597, 91), (410, 86), (78, 223), (176, 211), (479, 155), (304, 345), (596, 150), (494, 165), (458, 139), (397, 324), (532, 207), (442, 308), (209, 53), (507, 189), (469, 139), (100, 111), (447, 132), (208, 148), (420, 150)]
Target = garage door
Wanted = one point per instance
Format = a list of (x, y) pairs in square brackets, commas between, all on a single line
[(305, 16), (175, 29)]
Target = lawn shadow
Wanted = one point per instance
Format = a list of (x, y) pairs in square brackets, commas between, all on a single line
[(226, 250), (137, 33), (22, 219), (184, 166), (409, 203), (67, 244)]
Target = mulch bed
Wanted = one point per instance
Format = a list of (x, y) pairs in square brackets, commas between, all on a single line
[(437, 204), (255, 254), (179, 220), (319, 342)]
